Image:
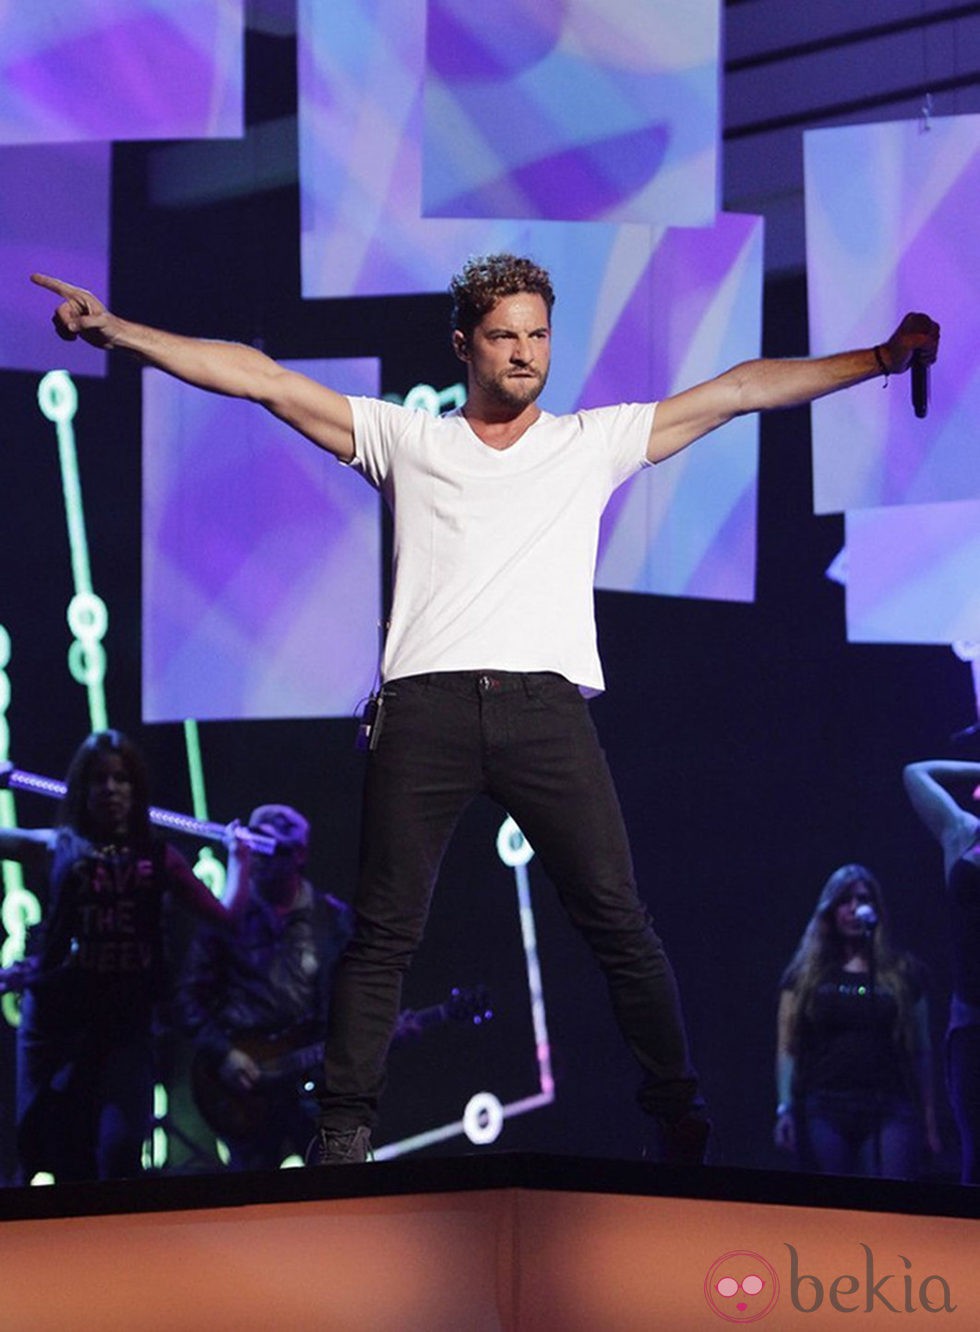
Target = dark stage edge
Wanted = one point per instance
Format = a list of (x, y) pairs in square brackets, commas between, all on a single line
[(488, 1242), (493, 1171)]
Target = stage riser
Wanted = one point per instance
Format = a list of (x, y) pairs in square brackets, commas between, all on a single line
[(520, 1260)]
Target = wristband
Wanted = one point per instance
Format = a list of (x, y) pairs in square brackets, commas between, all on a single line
[(783, 1108), (881, 361)]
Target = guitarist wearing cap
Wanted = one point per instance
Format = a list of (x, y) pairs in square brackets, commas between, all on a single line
[(250, 999)]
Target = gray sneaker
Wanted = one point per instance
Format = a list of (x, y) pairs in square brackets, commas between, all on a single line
[(339, 1147)]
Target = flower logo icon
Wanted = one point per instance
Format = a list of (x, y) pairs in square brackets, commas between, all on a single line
[(741, 1286)]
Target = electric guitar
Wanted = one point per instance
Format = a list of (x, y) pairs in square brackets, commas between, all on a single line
[(236, 1113)]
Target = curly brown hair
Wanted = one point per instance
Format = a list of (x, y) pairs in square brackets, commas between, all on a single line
[(486, 279)]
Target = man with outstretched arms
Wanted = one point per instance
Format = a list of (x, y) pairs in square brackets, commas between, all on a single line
[(491, 648)]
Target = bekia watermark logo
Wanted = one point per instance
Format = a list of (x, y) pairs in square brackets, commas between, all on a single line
[(743, 1287)]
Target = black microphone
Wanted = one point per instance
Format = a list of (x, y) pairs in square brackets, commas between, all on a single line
[(867, 915), (920, 385)]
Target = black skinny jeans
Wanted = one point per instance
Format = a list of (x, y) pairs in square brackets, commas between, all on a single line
[(528, 742)]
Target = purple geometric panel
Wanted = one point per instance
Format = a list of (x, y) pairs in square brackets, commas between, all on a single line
[(120, 69), (572, 110), (361, 87), (687, 527), (261, 560), (891, 226), (913, 573), (54, 218), (361, 77), (361, 74)]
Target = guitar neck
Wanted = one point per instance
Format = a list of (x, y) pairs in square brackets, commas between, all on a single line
[(292, 1062), (311, 1056), (283, 1057)]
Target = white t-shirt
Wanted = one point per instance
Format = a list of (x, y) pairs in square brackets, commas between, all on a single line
[(495, 550)]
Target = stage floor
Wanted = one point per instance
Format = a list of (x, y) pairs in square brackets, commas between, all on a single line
[(528, 1243)]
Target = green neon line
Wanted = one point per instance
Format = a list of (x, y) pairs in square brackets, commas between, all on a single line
[(13, 871), (98, 714), (57, 398), (195, 767), (72, 487), (208, 868), (20, 909)]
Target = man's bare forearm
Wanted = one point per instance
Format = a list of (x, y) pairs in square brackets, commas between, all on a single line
[(768, 385), (229, 368)]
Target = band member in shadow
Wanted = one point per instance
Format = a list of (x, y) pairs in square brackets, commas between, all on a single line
[(97, 970), (941, 791), (255, 1002), (853, 1064)]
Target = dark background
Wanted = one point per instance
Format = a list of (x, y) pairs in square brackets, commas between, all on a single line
[(754, 748)]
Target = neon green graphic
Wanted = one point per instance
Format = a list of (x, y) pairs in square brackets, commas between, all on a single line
[(88, 617), (208, 867), (156, 1146), (425, 398), (21, 908)]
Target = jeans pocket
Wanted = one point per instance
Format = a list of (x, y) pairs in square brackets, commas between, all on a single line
[(549, 686)]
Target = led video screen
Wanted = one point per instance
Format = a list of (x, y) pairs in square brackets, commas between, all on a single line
[(261, 560)]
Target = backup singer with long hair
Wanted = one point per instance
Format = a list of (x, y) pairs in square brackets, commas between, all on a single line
[(853, 1063), (95, 972)]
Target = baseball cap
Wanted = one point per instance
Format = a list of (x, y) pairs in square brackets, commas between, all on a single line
[(290, 827)]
